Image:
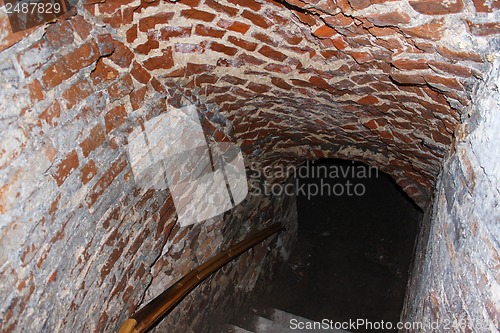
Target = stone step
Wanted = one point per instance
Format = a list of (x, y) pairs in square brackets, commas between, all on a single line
[(234, 329), (277, 321), (289, 320)]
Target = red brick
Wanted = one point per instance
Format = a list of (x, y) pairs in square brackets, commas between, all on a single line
[(389, 19), (34, 57), (281, 83), (137, 98), (305, 18), (180, 72), (249, 46), (172, 32), (146, 4), (301, 83), (105, 44), (106, 180), (120, 88), (258, 88), (272, 54), (433, 7), (103, 73), (265, 38), (298, 3), (278, 68), (81, 26), (198, 15), (339, 20), (218, 47), (110, 6), (122, 56), (253, 5), (82, 57), (55, 74), (330, 6), (361, 57), (368, 100), (198, 69), (448, 82), (249, 59), (59, 35), (290, 38), (50, 114), (432, 31), (205, 78), (329, 54), (319, 82), (10, 39), (139, 73), (458, 55), (233, 80), (386, 135), (76, 93), (408, 78), (158, 86), (231, 11), (484, 29), (371, 124), (339, 42), (190, 3), (132, 34), (257, 19), (451, 68), (95, 139), (35, 91), (150, 22), (360, 4), (410, 64), (484, 7), (324, 32), (115, 117), (165, 61), (64, 169), (236, 26), (202, 30), (88, 172), (147, 46), (382, 31), (120, 18)]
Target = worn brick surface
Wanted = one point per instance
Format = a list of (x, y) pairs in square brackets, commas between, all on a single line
[(456, 275)]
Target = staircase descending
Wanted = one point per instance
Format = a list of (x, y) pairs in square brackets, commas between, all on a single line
[(274, 321)]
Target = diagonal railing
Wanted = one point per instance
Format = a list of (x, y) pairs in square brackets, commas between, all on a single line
[(150, 314)]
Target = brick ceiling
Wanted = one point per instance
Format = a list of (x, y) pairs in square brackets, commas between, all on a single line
[(380, 81)]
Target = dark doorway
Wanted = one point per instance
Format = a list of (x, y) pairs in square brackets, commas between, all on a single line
[(353, 251)]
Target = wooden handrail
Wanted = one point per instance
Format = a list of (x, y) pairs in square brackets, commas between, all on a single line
[(150, 314)]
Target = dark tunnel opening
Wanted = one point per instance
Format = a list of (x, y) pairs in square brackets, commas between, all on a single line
[(356, 237)]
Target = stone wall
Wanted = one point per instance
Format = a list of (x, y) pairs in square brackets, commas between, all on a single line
[(456, 284), (384, 82), (218, 299)]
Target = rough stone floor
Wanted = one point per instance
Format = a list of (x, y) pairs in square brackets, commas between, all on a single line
[(352, 255)]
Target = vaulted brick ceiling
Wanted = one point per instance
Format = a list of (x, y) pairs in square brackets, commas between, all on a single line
[(385, 82)]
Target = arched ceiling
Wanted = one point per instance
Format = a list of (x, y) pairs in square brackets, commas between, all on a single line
[(384, 82)]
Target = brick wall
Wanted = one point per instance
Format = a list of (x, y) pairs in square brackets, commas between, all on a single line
[(456, 277), (384, 82)]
